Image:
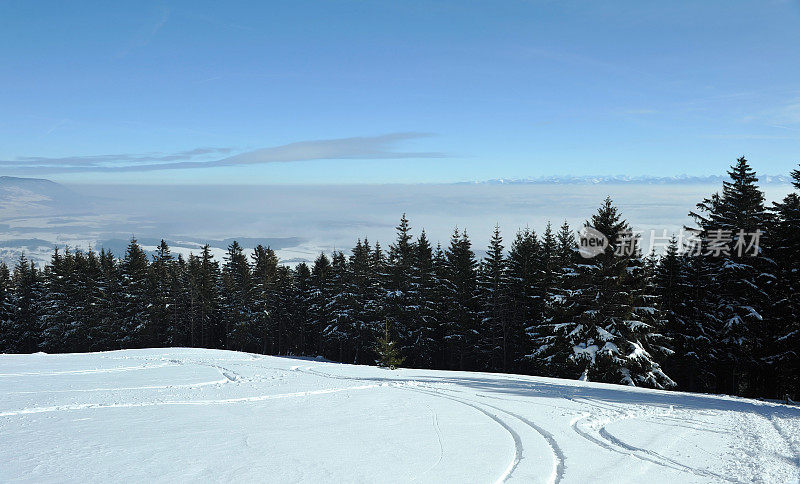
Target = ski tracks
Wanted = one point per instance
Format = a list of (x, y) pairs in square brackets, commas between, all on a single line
[(608, 414), (230, 376), (490, 411), (518, 448), (223, 401)]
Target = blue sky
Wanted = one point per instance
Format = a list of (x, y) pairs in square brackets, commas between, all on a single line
[(395, 91)]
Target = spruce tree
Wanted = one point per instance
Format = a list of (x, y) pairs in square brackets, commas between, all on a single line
[(287, 310), (338, 327), (269, 322), (463, 329), (388, 351), (730, 224), (55, 313), (601, 335), (551, 285), (679, 281), (134, 297), (782, 353), (160, 297), (526, 299), (495, 307), (319, 310), (25, 305), (108, 330), (425, 334), (360, 302), (241, 333), (303, 330), (6, 312), (402, 293)]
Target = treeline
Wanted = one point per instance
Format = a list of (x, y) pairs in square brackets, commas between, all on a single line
[(706, 320)]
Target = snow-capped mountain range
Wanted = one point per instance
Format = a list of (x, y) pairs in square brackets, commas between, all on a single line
[(620, 179)]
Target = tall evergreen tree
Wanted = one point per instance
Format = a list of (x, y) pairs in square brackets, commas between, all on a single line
[(241, 332), (25, 304), (56, 313), (555, 261), (6, 311), (205, 302), (730, 224), (526, 298), (319, 310), (463, 329), (402, 292), (601, 335), (426, 332), (160, 296), (108, 330), (303, 330), (134, 297), (270, 323), (340, 309), (360, 302), (496, 308), (678, 281), (782, 353)]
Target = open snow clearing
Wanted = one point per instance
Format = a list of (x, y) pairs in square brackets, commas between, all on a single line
[(199, 415)]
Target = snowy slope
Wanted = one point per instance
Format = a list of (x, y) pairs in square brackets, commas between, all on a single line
[(203, 415)]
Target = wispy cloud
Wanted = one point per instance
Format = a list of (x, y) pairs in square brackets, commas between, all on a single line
[(783, 115), (363, 147), (110, 161), (147, 32)]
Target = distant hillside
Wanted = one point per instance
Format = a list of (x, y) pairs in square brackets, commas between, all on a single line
[(35, 190)]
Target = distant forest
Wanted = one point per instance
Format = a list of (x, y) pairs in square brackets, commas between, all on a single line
[(706, 320)]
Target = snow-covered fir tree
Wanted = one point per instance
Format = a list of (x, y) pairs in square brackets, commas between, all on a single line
[(783, 353), (495, 307), (462, 323), (732, 226), (526, 303), (23, 333), (6, 313), (241, 331), (134, 297), (602, 333), (402, 292), (266, 317), (425, 333)]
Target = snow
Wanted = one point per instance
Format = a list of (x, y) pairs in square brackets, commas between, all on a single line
[(207, 415)]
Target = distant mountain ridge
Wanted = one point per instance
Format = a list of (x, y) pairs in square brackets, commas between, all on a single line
[(40, 190), (625, 179)]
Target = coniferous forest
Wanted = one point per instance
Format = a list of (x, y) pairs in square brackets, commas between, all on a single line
[(707, 320)]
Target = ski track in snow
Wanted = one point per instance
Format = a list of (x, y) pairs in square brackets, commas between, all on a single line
[(604, 438), (88, 371), (224, 401), (762, 440), (558, 455), (615, 444), (230, 376), (518, 448), (117, 389)]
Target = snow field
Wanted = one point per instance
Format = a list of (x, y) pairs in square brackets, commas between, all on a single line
[(204, 415)]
